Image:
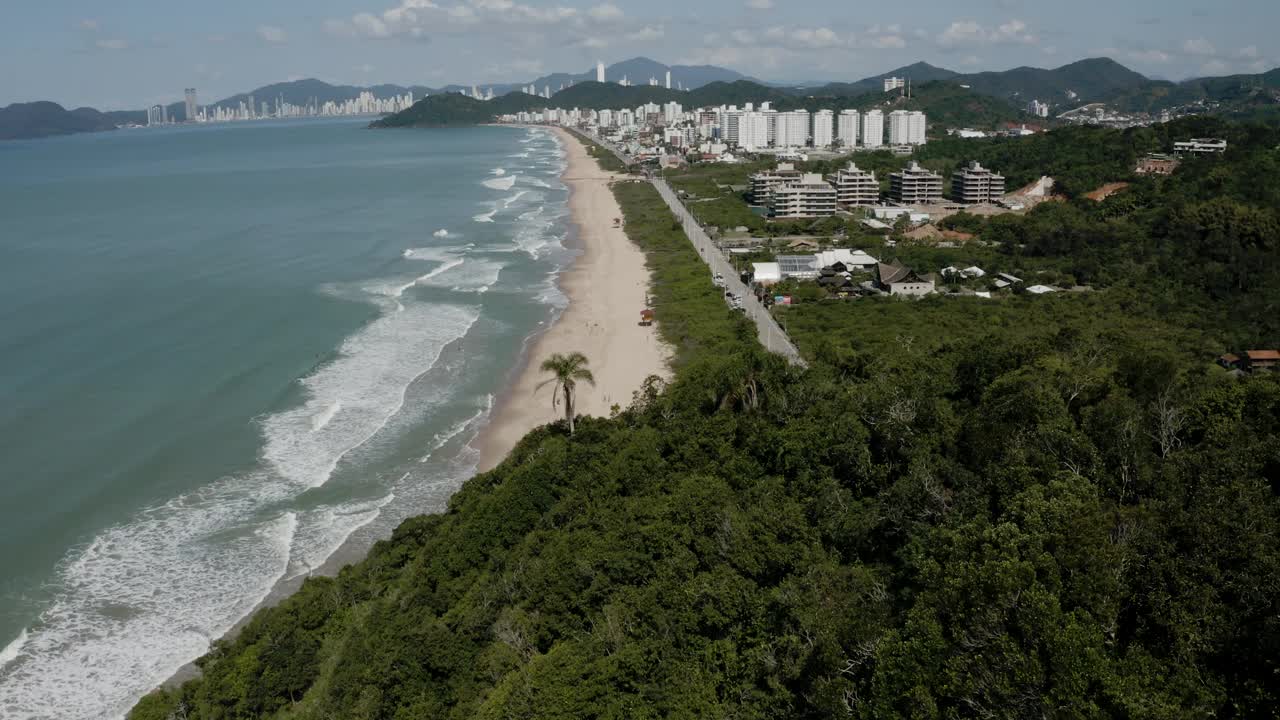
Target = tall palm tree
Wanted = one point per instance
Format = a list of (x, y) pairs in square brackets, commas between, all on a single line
[(567, 371)]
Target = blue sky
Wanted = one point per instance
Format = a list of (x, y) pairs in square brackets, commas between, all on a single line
[(131, 53)]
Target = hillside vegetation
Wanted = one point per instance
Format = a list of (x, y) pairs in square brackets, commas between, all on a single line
[(1040, 507)]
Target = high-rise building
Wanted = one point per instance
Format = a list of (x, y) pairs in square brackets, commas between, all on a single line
[(793, 129), (915, 186), (975, 184), (668, 79), (855, 186), (155, 115), (873, 129), (847, 128), (893, 83), (823, 123), (753, 131), (191, 104), (1038, 109), (599, 72), (907, 128)]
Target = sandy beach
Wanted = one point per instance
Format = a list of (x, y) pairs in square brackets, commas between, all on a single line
[(606, 287)]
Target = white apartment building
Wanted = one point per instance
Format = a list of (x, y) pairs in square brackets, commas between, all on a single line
[(764, 183), (855, 186), (823, 123), (753, 131), (893, 83), (729, 123), (672, 112), (606, 118), (599, 72), (1201, 146), (975, 184), (907, 128), (1038, 109), (771, 120), (915, 186), (793, 129), (811, 196), (847, 127), (873, 129)]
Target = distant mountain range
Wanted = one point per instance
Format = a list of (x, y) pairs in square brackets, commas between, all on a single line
[(1091, 80)]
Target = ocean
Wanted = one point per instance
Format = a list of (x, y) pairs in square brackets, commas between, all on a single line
[(227, 350)]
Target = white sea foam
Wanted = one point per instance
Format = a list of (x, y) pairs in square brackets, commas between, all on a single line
[(508, 202), (323, 530), (442, 438), (498, 171), (501, 183), (321, 419), (441, 233), (10, 652), (536, 182), (370, 376), (485, 217), (475, 275)]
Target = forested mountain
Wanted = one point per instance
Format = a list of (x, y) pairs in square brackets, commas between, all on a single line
[(921, 72), (309, 91), (1089, 80), (1023, 507), (47, 119)]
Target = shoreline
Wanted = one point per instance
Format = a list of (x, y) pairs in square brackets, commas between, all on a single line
[(607, 286), (602, 285)]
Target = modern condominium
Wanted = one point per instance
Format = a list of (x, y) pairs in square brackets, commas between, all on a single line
[(764, 183), (907, 128), (975, 184), (847, 128), (893, 83), (811, 196), (915, 186), (191, 104), (823, 123), (873, 129), (793, 129), (855, 186), (599, 72), (753, 131)]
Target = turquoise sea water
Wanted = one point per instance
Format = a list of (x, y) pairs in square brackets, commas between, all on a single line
[(223, 351)]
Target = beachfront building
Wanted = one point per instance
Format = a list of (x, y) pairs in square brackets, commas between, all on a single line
[(855, 186), (764, 183), (847, 128), (811, 196), (974, 184), (873, 129), (907, 128), (793, 129), (915, 185), (823, 124)]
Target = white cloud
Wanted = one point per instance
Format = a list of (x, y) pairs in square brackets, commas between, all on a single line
[(815, 38), (1214, 67), (371, 25), (89, 24), (607, 12), (969, 33), (1249, 51), (111, 44), (760, 4), (971, 61), (887, 42), (743, 37), (1150, 56), (1200, 47), (272, 34), (647, 33)]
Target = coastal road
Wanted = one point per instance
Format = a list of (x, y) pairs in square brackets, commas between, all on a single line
[(770, 333)]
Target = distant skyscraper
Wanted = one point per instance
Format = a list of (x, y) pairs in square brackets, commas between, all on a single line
[(847, 128), (668, 79), (599, 72), (873, 129), (191, 104)]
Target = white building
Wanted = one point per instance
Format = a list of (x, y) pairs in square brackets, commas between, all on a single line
[(893, 83), (671, 112), (1201, 146), (915, 186), (975, 184), (873, 129), (810, 197), (907, 128), (855, 186), (753, 131), (793, 129), (847, 127), (599, 72), (823, 123), (1038, 109), (668, 79), (764, 183)]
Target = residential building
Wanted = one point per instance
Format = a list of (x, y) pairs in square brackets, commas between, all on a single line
[(1261, 359), (893, 83), (852, 260), (1201, 146), (764, 183), (915, 186), (1156, 164), (847, 128), (793, 129), (873, 129), (855, 186), (811, 196), (974, 184), (1038, 109), (668, 79), (753, 131), (191, 104), (599, 72), (897, 279), (907, 127), (823, 124)]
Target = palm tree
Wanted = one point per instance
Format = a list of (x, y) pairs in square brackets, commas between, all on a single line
[(567, 371)]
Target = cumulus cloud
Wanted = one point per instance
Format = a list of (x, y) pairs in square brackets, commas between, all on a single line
[(1199, 47), (1249, 51), (111, 44), (272, 34), (606, 13), (648, 33), (760, 4), (970, 33), (1214, 67), (1150, 56)]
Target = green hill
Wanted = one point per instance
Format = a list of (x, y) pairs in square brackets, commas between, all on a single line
[(47, 119), (452, 109)]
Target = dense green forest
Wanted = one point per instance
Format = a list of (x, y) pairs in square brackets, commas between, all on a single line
[(1036, 507)]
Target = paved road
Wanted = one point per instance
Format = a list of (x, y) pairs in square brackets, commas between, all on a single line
[(771, 335)]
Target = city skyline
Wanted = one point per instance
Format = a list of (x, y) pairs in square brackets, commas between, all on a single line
[(80, 53)]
